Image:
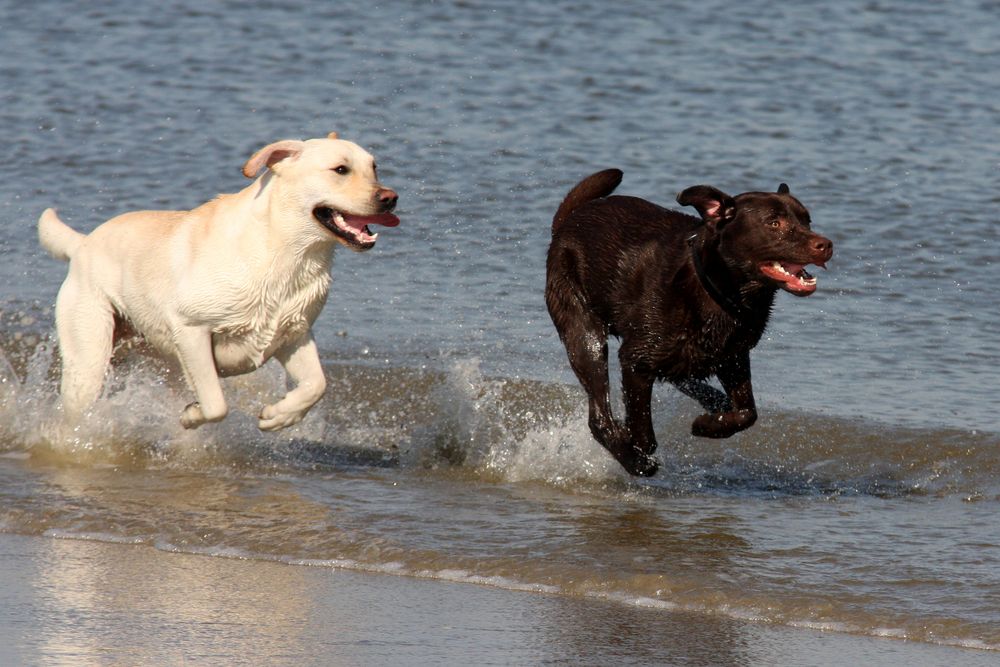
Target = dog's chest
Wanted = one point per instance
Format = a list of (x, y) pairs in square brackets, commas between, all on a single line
[(697, 351), (271, 318)]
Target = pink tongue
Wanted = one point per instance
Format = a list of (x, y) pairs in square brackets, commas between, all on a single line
[(790, 278), (359, 221)]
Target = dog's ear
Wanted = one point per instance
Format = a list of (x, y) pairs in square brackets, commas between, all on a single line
[(272, 154), (715, 206), (783, 189)]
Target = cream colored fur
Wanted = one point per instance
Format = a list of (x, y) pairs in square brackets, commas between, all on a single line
[(221, 288)]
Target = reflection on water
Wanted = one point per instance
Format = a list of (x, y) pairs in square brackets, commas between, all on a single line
[(102, 600), (96, 602), (790, 559)]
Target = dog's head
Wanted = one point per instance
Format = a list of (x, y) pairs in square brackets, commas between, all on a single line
[(764, 235), (332, 184)]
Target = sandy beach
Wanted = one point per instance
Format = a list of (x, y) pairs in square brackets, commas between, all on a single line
[(73, 602)]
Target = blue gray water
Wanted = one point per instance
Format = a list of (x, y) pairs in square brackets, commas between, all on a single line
[(863, 501)]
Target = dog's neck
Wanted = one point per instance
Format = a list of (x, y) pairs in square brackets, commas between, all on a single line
[(267, 208), (291, 262), (715, 278)]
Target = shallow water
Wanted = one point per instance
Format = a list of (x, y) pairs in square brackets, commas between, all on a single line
[(452, 441)]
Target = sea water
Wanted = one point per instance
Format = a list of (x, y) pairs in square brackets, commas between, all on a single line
[(452, 441)]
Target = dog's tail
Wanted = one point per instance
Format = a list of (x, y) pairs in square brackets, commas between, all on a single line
[(593, 187), (56, 236)]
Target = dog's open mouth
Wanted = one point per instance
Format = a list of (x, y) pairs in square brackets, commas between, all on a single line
[(353, 228), (792, 277)]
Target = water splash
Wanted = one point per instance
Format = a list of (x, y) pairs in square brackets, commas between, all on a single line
[(135, 420), (471, 424), (501, 428)]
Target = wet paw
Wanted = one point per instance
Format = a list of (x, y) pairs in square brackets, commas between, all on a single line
[(192, 416), (640, 464), (709, 426), (723, 424), (637, 462), (270, 419)]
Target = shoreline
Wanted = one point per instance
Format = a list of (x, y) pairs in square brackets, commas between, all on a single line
[(66, 600)]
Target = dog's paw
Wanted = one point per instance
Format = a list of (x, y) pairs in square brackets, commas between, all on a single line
[(192, 416), (723, 424), (270, 419), (639, 464), (635, 461)]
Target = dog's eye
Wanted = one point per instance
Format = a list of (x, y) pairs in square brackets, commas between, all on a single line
[(343, 170), (776, 222)]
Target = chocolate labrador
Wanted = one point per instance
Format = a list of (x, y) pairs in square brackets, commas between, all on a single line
[(688, 297)]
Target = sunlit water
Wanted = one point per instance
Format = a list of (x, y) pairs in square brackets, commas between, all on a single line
[(452, 440)]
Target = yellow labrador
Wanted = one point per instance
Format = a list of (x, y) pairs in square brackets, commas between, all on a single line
[(224, 287)]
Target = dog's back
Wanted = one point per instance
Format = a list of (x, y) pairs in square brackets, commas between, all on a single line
[(605, 247)]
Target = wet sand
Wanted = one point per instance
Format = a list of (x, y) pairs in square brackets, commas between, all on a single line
[(84, 602)]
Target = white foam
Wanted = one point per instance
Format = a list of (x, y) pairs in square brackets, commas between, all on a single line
[(494, 581), (558, 452), (137, 415), (461, 575), (475, 426), (636, 601), (232, 553), (89, 536), (827, 626)]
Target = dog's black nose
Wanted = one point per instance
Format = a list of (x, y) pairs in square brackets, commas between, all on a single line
[(387, 198)]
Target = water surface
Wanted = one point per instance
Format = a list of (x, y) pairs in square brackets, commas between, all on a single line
[(452, 441)]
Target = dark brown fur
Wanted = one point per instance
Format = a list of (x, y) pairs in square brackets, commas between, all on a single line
[(625, 267)]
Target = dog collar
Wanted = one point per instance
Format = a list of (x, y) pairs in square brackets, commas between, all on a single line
[(724, 301)]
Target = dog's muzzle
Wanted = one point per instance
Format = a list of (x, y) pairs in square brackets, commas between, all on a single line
[(353, 229)]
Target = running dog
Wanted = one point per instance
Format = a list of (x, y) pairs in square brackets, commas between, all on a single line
[(223, 287), (688, 297)]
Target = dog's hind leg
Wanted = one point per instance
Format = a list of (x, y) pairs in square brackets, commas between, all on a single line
[(586, 341), (637, 393), (85, 326), (301, 362)]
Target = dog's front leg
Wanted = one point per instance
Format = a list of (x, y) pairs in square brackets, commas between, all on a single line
[(710, 398), (735, 378), (637, 390), (194, 351), (300, 359)]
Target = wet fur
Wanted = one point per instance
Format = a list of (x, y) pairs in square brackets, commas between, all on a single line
[(221, 288), (623, 266)]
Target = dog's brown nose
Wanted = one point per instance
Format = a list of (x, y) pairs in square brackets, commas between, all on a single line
[(387, 198), (822, 247)]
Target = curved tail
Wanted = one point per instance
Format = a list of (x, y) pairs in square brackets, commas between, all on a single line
[(56, 236), (593, 187)]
